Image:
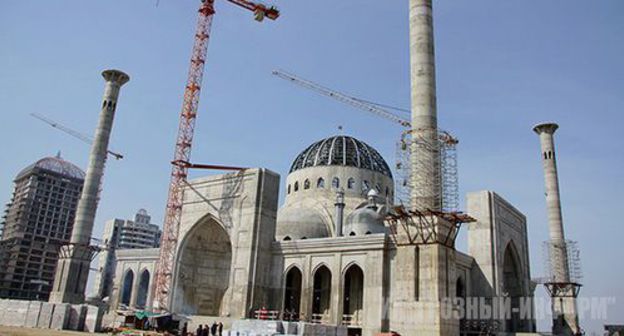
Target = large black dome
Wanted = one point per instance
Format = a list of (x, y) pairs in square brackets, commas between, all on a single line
[(341, 151)]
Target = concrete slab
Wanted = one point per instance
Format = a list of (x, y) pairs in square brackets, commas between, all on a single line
[(45, 315), (3, 305), (32, 316), (15, 313), (60, 316), (93, 319), (76, 318)]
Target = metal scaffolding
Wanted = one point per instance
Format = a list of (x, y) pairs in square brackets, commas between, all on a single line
[(447, 172), (553, 252)]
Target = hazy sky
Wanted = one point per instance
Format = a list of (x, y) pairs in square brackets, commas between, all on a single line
[(502, 67)]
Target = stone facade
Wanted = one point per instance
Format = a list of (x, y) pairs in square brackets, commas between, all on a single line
[(237, 254), (133, 278)]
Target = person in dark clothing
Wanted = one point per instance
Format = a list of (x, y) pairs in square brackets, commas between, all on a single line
[(220, 329), (185, 329), (213, 329), (198, 332), (206, 331)]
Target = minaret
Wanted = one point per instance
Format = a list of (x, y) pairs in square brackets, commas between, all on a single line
[(74, 259), (340, 205), (426, 184), (423, 266), (563, 291)]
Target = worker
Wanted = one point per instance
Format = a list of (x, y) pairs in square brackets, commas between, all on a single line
[(198, 332)]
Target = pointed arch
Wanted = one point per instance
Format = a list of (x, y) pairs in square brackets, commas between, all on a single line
[(353, 294), (321, 293), (513, 286), (144, 284), (351, 183), (293, 280), (126, 287), (206, 248), (320, 183), (460, 288)]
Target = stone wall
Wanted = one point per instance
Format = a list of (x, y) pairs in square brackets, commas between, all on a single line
[(45, 315)]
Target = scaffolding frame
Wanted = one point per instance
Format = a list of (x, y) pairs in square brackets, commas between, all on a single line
[(446, 173), (422, 227), (562, 261)]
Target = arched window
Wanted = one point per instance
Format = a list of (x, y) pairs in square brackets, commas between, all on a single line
[(288, 189), (144, 281), (296, 186), (321, 294), (353, 296), (126, 289), (320, 183), (352, 233), (336, 183), (306, 184), (350, 183), (365, 186), (387, 192), (292, 294), (287, 238)]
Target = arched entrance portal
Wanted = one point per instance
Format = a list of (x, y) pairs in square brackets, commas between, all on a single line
[(203, 272), (292, 295), (126, 289), (512, 287), (144, 280), (353, 296), (321, 302)]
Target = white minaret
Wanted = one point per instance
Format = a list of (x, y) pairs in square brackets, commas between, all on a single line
[(74, 259), (426, 183), (565, 318)]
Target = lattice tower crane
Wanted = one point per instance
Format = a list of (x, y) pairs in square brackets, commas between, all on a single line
[(171, 227), (446, 145), (82, 137)]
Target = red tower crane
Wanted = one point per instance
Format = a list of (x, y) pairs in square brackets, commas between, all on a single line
[(182, 153)]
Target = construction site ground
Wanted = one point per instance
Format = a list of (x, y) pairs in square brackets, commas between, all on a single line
[(20, 331)]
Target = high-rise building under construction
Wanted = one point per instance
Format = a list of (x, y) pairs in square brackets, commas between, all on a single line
[(37, 220)]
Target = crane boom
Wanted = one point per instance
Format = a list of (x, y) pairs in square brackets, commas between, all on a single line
[(82, 137), (355, 102), (182, 153)]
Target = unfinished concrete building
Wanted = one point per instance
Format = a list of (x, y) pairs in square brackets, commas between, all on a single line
[(37, 221)]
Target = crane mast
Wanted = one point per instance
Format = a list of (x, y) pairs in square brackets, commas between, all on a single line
[(182, 153)]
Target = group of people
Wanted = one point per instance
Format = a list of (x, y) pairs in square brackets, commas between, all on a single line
[(216, 329)]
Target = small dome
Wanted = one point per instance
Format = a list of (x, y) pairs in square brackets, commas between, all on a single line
[(300, 223), (364, 220), (56, 165), (341, 151)]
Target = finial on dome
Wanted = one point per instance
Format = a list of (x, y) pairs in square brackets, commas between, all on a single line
[(372, 197), (58, 154)]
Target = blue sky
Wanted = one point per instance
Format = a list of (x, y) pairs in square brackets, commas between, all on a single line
[(502, 67)]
